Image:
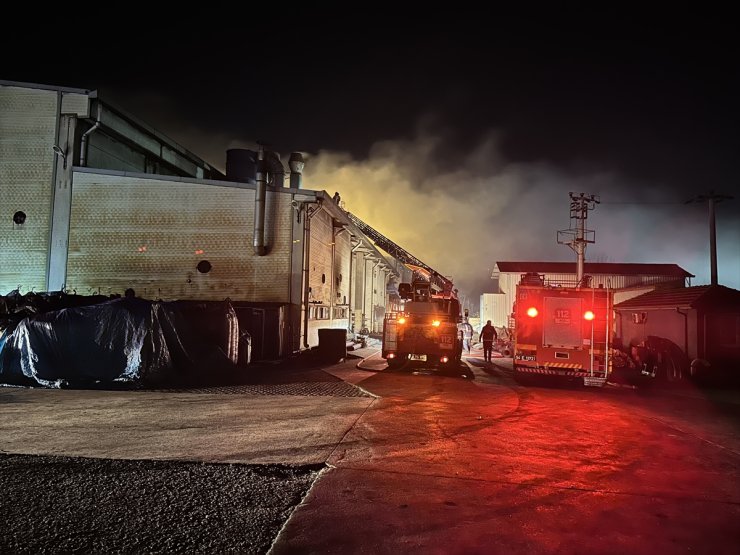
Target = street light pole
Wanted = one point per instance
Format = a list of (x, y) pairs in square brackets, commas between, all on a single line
[(712, 198), (712, 241)]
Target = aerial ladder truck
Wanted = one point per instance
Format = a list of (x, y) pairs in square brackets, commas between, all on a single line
[(427, 328)]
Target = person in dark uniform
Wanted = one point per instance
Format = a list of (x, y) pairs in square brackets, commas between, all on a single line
[(488, 335)]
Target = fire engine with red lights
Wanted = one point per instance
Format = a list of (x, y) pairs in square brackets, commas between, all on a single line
[(427, 328), (562, 331), (426, 331)]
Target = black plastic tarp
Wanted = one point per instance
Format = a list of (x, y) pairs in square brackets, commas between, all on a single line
[(122, 341)]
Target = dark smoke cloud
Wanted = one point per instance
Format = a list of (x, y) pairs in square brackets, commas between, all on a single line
[(461, 221)]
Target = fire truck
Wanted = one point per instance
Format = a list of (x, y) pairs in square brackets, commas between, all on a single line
[(562, 331), (427, 330)]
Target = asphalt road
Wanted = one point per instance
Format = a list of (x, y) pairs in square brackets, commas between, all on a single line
[(461, 461)]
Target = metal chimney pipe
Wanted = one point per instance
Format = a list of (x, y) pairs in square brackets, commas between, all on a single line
[(296, 164), (259, 205)]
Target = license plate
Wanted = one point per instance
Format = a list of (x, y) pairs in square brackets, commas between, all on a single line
[(417, 357)]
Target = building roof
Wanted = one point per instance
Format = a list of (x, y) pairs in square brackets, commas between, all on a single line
[(594, 268), (23, 85), (701, 296)]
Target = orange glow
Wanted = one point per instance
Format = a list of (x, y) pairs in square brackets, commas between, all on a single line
[(532, 312), (588, 315), (436, 323), (402, 320), (199, 251)]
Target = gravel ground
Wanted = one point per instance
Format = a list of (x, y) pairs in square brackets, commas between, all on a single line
[(78, 505)]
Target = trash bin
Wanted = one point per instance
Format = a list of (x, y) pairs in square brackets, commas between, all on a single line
[(332, 344)]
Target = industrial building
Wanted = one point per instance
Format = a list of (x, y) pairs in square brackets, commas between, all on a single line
[(626, 279), (93, 200)]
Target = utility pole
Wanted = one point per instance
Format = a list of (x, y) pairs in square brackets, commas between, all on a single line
[(577, 236), (712, 198)]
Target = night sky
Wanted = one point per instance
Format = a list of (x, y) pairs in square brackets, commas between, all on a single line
[(458, 135)]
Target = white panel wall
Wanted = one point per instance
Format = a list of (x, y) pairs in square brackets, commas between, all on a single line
[(150, 234), (28, 120), (493, 308)]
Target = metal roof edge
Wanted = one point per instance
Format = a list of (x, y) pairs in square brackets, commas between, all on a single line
[(24, 85)]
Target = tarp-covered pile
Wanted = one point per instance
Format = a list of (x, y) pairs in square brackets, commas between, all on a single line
[(121, 341)]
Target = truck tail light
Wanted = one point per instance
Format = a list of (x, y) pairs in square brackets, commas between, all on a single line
[(391, 355), (532, 312), (444, 359)]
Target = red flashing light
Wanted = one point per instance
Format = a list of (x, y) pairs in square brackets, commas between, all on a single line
[(391, 355), (444, 359), (532, 312), (588, 315)]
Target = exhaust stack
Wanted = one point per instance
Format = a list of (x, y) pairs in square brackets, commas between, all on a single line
[(296, 164)]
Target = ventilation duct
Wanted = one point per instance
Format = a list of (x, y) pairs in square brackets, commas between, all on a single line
[(259, 205), (296, 164)]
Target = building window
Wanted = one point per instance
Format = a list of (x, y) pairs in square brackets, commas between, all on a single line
[(317, 312), (340, 312)]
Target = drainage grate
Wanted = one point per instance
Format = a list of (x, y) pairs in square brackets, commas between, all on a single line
[(311, 389)]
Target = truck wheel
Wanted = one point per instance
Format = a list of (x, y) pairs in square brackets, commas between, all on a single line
[(398, 361)]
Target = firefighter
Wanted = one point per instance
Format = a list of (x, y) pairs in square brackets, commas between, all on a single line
[(488, 335), (467, 330)]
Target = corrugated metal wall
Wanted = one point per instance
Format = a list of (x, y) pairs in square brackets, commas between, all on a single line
[(319, 279), (28, 119), (343, 253), (493, 308), (330, 252), (151, 234)]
